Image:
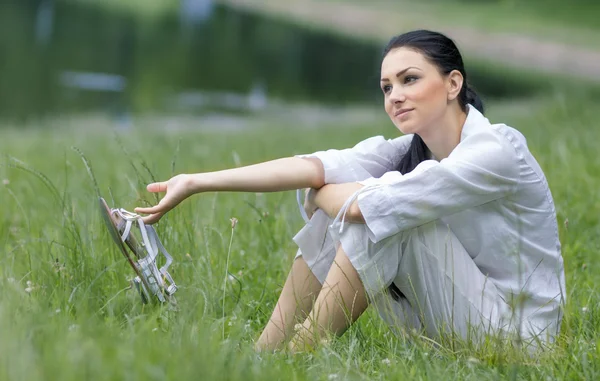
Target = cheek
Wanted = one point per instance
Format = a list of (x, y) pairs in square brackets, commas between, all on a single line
[(431, 101), (429, 92), (387, 104)]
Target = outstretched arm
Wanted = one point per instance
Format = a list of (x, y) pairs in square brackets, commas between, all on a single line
[(271, 176)]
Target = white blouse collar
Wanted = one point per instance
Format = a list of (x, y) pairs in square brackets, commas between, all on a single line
[(474, 121)]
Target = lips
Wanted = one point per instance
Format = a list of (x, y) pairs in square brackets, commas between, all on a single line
[(402, 111)]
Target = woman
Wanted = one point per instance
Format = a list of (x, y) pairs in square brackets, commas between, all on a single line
[(448, 229)]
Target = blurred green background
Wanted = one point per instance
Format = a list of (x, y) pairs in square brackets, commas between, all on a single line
[(109, 95), (188, 56)]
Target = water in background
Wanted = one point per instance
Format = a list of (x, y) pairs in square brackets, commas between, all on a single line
[(66, 56), (61, 56)]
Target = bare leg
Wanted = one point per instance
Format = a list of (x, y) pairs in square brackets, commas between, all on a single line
[(341, 301), (296, 299)]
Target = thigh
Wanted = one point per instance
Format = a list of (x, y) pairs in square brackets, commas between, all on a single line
[(444, 286), (315, 245), (444, 290)]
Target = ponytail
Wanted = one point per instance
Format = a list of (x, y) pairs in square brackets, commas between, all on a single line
[(417, 152), (472, 98)]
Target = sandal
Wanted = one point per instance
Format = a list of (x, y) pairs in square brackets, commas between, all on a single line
[(150, 280)]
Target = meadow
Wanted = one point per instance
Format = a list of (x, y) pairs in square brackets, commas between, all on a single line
[(66, 312)]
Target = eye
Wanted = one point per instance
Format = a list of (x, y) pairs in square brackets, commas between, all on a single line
[(386, 88), (410, 78)]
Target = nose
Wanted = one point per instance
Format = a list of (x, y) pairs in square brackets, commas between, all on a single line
[(397, 95)]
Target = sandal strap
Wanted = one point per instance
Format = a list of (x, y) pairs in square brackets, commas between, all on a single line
[(151, 243), (127, 230), (159, 246)]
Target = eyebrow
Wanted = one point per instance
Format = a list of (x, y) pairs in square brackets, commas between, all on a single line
[(399, 73)]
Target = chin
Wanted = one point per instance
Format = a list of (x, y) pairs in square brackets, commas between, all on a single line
[(406, 128)]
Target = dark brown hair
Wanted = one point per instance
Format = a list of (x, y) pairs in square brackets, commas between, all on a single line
[(442, 52)]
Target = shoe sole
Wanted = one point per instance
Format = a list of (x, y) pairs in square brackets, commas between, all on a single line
[(112, 226)]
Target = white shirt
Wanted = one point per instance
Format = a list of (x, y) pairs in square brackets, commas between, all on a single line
[(491, 193)]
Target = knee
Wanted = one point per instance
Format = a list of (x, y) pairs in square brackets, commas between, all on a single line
[(431, 230), (434, 237)]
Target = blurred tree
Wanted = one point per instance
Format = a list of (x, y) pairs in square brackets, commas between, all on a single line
[(230, 51)]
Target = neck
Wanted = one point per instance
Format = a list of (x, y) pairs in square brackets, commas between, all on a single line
[(442, 139)]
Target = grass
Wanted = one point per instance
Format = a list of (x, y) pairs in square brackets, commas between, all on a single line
[(66, 313)]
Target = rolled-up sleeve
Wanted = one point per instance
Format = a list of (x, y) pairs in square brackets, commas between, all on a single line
[(482, 168), (371, 157)]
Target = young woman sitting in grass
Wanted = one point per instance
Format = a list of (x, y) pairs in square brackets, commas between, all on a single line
[(449, 229)]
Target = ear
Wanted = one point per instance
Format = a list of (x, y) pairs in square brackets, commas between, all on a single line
[(454, 83)]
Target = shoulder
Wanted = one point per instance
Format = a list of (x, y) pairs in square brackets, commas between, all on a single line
[(398, 142), (381, 145), (511, 137), (402, 143), (479, 131), (479, 134), (492, 140), (489, 150)]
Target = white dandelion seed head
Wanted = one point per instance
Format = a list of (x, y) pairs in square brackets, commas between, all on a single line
[(473, 360)]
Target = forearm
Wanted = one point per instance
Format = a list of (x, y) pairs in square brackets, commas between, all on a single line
[(332, 197), (271, 176)]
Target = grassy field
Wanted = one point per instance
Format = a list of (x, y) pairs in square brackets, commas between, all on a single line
[(66, 313)]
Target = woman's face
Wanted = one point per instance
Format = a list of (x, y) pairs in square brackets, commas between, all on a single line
[(416, 93)]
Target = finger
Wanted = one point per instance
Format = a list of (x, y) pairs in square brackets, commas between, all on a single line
[(157, 187), (163, 206), (148, 210), (149, 220)]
